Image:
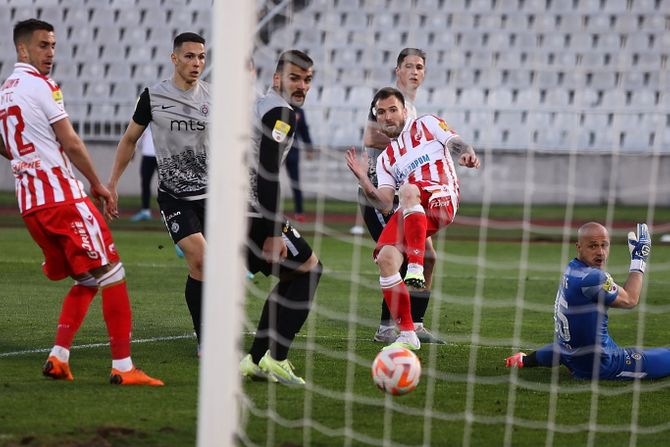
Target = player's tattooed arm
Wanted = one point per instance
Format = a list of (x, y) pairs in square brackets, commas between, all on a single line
[(466, 153)]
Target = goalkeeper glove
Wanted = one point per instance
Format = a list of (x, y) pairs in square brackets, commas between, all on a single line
[(639, 246)]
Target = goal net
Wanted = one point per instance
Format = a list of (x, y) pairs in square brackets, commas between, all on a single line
[(566, 104)]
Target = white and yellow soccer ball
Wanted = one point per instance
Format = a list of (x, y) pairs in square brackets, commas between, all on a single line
[(396, 371)]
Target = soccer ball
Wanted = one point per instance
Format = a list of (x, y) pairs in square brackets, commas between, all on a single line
[(396, 371)]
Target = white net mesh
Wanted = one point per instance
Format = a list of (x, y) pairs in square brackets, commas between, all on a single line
[(566, 104)]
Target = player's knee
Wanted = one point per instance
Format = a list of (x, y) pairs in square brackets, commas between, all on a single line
[(113, 275), (386, 262), (409, 195), (311, 264)]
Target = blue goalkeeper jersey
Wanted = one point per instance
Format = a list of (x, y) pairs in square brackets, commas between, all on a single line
[(580, 316)]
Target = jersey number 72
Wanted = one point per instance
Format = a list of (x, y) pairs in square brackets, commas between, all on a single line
[(20, 147)]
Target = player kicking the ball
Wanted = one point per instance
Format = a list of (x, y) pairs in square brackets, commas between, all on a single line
[(417, 160)]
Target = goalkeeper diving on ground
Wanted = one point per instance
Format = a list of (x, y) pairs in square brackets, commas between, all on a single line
[(582, 342)]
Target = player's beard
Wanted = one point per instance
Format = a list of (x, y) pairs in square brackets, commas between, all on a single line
[(394, 131)]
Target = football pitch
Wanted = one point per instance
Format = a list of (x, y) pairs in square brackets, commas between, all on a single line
[(487, 279)]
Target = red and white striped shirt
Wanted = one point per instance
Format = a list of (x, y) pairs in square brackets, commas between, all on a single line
[(419, 154), (29, 104)]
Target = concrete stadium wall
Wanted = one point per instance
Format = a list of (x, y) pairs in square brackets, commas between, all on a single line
[(505, 177)]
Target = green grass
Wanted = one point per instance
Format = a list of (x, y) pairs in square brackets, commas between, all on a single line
[(476, 291)]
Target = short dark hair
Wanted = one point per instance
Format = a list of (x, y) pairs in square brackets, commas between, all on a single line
[(384, 93), (25, 28), (187, 37), (295, 57), (410, 52)]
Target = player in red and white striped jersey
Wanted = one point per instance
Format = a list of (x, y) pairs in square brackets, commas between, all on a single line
[(42, 146), (418, 163)]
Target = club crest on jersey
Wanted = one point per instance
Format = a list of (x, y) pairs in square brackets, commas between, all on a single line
[(204, 109), (280, 131)]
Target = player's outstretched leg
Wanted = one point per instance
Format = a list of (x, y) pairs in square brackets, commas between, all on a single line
[(117, 315)]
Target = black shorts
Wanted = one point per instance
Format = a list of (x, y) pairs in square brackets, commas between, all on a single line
[(299, 250), (375, 221), (182, 217)]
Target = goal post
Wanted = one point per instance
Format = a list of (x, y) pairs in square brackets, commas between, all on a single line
[(224, 271)]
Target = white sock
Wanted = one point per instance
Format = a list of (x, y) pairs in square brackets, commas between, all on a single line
[(418, 326), (123, 365), (414, 268), (61, 353)]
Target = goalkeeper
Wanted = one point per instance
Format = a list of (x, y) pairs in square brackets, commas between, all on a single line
[(582, 342)]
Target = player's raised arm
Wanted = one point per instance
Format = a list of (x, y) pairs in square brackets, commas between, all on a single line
[(466, 153), (639, 246)]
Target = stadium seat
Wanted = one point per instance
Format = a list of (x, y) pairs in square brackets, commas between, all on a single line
[(637, 140), (481, 6), (64, 71), (643, 98), (355, 20), (500, 98), (573, 79), (528, 98), (73, 90), (428, 6), (557, 97), (444, 97), (461, 78), (626, 23), (92, 71), (637, 42), (471, 98), (603, 80), (360, 96), (608, 42), (382, 21), (613, 100), (615, 6), (379, 76), (570, 23), (331, 95), (543, 22), (119, 72)]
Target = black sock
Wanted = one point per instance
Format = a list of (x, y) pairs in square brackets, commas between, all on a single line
[(287, 307), (193, 294), (419, 302), (269, 313)]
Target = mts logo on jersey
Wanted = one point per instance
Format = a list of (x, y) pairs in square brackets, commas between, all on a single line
[(190, 125)]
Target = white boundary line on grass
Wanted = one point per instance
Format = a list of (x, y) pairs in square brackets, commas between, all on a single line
[(185, 336)]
